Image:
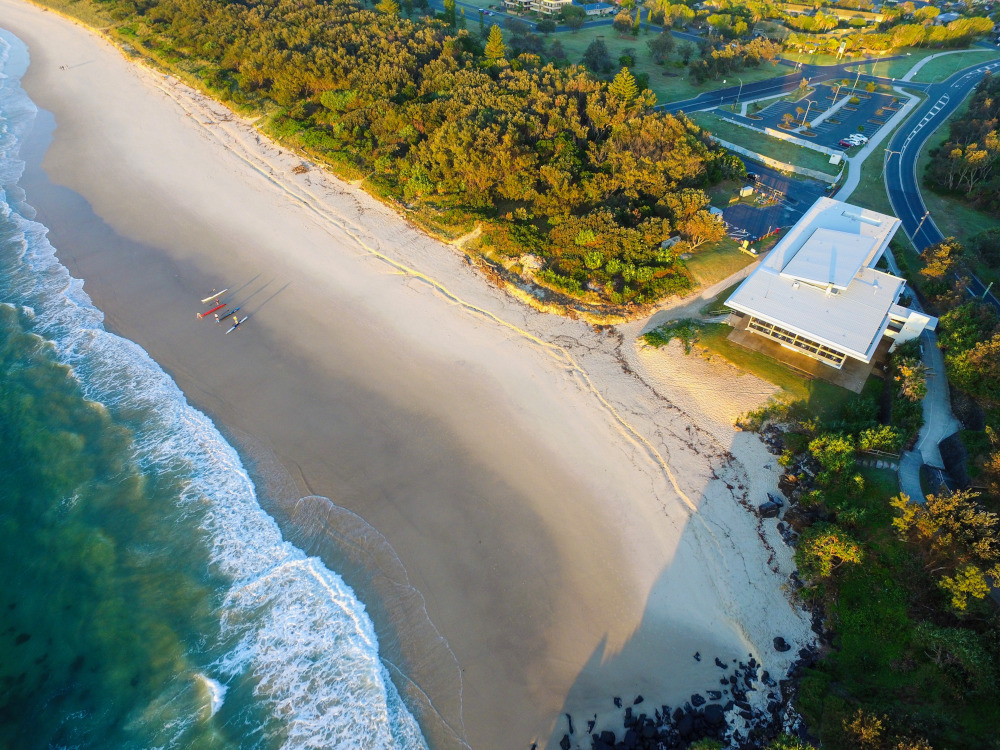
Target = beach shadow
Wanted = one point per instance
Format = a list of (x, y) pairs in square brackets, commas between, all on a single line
[(244, 285), (253, 294), (279, 291)]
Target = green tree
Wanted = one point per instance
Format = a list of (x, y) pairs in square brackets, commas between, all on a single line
[(449, 12), (596, 56), (495, 48), (940, 259), (545, 26), (636, 22), (573, 16), (823, 548), (623, 22), (623, 87), (968, 582), (660, 46), (835, 454)]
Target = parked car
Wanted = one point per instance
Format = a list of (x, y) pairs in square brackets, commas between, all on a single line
[(844, 143), (752, 176)]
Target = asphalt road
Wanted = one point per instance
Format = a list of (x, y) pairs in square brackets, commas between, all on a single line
[(901, 180), (901, 155), (782, 85)]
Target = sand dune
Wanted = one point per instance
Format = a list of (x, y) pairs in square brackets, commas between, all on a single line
[(538, 515)]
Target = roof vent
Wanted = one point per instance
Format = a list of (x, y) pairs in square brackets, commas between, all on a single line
[(862, 218)]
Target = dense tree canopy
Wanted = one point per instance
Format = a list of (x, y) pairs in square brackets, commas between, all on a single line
[(969, 161), (438, 122)]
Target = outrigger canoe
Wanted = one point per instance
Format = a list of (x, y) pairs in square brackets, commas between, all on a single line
[(229, 314), (209, 312), (210, 297), (237, 324)]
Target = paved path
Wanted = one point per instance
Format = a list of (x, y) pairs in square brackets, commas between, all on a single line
[(909, 476), (939, 422)]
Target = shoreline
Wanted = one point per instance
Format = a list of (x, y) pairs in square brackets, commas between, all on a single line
[(499, 451)]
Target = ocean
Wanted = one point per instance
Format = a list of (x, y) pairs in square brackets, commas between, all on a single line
[(150, 601)]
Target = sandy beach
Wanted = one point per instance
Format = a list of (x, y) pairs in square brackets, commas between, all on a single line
[(539, 516)]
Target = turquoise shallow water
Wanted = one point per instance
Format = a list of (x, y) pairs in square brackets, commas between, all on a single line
[(149, 601)]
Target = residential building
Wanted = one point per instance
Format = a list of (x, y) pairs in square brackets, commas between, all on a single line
[(818, 293)]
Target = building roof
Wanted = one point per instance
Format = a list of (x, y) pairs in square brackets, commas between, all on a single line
[(819, 282)]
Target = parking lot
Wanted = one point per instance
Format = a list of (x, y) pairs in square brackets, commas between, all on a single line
[(871, 113), (780, 202)]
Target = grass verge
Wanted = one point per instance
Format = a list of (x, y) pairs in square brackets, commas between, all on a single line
[(761, 143), (718, 262), (670, 81), (940, 68)]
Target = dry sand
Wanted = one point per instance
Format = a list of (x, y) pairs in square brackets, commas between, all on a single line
[(558, 512)]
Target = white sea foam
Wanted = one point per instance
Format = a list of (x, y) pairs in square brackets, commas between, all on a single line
[(293, 633), (216, 693)]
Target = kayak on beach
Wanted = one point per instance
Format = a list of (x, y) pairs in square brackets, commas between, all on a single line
[(237, 324), (229, 313), (214, 309), (216, 295)]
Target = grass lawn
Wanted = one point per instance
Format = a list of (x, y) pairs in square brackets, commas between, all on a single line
[(715, 263), (819, 395), (940, 68), (670, 82), (812, 58), (953, 217), (910, 56), (756, 141)]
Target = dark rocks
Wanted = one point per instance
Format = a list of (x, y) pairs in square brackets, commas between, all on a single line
[(697, 700), (618, 702), (714, 695), (564, 743), (638, 699), (781, 645), (769, 509), (714, 715), (720, 664), (608, 738), (569, 720), (697, 655)]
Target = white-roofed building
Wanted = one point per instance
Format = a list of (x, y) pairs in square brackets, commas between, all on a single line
[(818, 292)]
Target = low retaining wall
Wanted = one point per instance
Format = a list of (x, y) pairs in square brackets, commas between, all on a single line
[(767, 160)]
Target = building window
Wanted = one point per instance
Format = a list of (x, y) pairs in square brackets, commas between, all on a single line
[(794, 341)]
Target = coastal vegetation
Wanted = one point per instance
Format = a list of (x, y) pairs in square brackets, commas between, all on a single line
[(572, 179), (901, 585)]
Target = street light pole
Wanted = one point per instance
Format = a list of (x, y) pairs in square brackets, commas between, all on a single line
[(856, 79), (808, 107), (987, 290), (922, 220)]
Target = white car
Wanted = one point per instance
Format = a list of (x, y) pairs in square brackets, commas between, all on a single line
[(857, 139)]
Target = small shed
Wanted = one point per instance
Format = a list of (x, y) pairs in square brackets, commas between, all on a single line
[(746, 190)]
